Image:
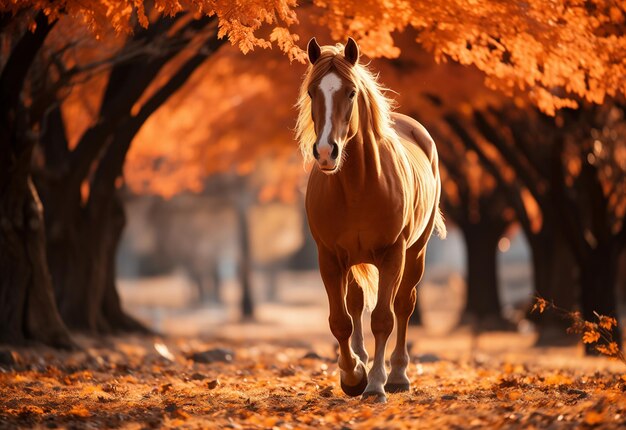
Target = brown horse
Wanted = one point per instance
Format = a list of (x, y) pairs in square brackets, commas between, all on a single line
[(372, 203)]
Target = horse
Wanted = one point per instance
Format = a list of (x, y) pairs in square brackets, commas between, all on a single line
[(372, 203)]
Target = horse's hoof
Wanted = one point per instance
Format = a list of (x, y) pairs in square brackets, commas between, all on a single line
[(401, 387), (374, 397), (356, 390)]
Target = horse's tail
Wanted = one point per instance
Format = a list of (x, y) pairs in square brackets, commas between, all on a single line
[(366, 275), (440, 222), (440, 225)]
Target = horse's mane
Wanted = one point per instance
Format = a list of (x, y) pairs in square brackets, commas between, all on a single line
[(374, 113)]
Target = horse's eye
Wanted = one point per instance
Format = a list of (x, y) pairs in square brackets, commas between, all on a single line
[(352, 94)]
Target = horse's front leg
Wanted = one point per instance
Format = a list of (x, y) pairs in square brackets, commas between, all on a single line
[(352, 369), (390, 269)]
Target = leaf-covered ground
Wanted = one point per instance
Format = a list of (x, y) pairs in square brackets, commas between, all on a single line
[(152, 383)]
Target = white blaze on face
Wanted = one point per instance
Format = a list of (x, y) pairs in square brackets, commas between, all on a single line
[(329, 85)]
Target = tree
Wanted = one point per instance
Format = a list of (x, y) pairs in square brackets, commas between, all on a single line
[(28, 307), (572, 167), (88, 227), (592, 202), (26, 287), (478, 204)]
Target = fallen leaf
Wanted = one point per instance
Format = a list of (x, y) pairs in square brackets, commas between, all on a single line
[(79, 411), (594, 417), (198, 377), (30, 410), (164, 351), (165, 388), (326, 392)]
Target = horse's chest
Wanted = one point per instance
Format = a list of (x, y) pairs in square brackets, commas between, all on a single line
[(357, 225)]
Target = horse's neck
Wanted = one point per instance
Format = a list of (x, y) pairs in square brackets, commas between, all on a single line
[(363, 161)]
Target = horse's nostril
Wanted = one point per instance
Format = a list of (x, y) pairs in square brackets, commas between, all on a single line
[(335, 152), (315, 153)]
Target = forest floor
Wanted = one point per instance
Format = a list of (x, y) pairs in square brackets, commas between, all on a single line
[(280, 371), (488, 381)]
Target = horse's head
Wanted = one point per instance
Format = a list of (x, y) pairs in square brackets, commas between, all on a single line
[(332, 88)]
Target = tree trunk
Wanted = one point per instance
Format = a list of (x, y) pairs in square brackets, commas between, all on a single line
[(94, 304), (555, 270), (555, 279), (597, 244), (483, 298), (27, 306), (111, 307), (216, 281), (245, 262), (63, 219), (67, 257), (85, 281), (621, 278), (305, 258)]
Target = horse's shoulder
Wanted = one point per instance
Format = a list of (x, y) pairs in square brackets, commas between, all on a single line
[(411, 130)]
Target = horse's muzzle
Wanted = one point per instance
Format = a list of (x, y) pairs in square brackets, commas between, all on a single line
[(334, 153), (327, 157)]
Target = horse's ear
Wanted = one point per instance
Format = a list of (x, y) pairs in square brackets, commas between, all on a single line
[(351, 53), (314, 50)]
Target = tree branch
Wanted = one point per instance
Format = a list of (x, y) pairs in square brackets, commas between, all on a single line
[(513, 189), (13, 77), (521, 166), (112, 163), (127, 82)]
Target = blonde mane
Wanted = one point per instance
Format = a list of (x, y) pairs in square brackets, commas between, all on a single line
[(374, 112)]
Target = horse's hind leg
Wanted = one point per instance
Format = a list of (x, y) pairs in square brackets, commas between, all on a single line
[(355, 308), (353, 371), (404, 304)]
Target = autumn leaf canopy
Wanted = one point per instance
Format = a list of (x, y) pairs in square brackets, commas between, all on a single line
[(559, 53)]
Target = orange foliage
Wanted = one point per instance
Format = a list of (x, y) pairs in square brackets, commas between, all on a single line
[(163, 165), (229, 115), (556, 51), (539, 46), (598, 334), (240, 22), (236, 109)]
